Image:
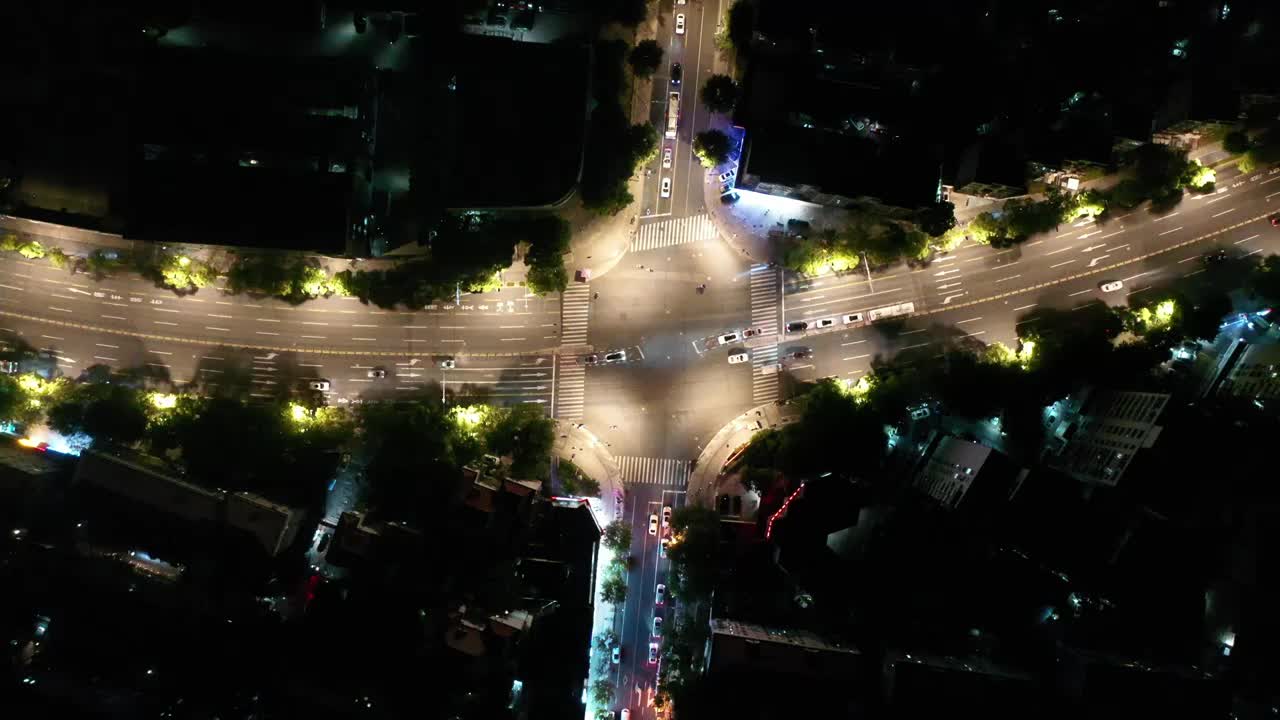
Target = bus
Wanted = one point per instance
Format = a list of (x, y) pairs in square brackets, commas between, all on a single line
[(673, 114), (891, 311)]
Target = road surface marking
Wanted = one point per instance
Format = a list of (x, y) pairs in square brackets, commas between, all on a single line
[(103, 357), (211, 357), (114, 317), (1081, 292), (1251, 237), (859, 357), (365, 339), (266, 320), (162, 322), (1166, 232), (1024, 307), (52, 337), (159, 352), (165, 310), (51, 307), (1011, 277), (961, 322), (911, 332), (113, 347), (854, 342), (210, 327), (910, 347), (1061, 264), (312, 337), (224, 317), (1224, 212), (1166, 217), (365, 326), (259, 332)]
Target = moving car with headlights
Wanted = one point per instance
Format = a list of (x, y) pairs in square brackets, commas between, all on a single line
[(1111, 285), (320, 385)]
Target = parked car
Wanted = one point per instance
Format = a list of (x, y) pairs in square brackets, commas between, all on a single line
[(852, 318), (823, 323), (680, 24), (653, 653), (1111, 285), (616, 356), (320, 385), (653, 524), (666, 187), (657, 626), (797, 326), (676, 73), (738, 356), (666, 517), (377, 374), (660, 594), (729, 198), (726, 176), (447, 364), (727, 338), (666, 158)]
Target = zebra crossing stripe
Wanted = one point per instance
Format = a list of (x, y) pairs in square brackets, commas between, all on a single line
[(764, 387), (571, 382), (679, 231), (669, 472), (764, 298), (575, 312)]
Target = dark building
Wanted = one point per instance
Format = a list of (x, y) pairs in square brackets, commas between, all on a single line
[(925, 685), (968, 477)]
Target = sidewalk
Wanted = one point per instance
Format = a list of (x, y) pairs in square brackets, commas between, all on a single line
[(706, 471), (577, 444)]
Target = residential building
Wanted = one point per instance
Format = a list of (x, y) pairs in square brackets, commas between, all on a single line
[(1103, 431), (736, 646), (1255, 375), (203, 512), (960, 474), (920, 684)]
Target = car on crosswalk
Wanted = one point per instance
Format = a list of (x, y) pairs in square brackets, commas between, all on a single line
[(751, 332)]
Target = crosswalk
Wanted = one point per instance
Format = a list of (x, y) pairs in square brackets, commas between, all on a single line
[(764, 315), (571, 385), (764, 299), (764, 375), (575, 311), (674, 232), (654, 471)]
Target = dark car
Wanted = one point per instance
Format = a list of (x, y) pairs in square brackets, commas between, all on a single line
[(1214, 256), (729, 198), (797, 326), (1275, 220), (677, 72)]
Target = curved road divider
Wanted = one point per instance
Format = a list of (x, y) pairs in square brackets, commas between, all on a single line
[(271, 348)]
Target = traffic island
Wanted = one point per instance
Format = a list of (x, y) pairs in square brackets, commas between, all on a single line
[(706, 480)]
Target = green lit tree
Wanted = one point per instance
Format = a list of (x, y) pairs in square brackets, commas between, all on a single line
[(711, 147), (617, 536)]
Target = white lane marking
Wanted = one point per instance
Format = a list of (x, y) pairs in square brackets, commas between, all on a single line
[(51, 307), (1216, 199), (210, 357), (1255, 252), (259, 332), (1132, 277), (113, 317), (912, 332), (852, 342), (1024, 307), (976, 334), (855, 357), (1251, 237), (1061, 264), (912, 347), (164, 310), (266, 320), (304, 322), (104, 357), (1166, 232), (210, 327), (1166, 217), (373, 326), (1224, 212), (1193, 257), (161, 322), (159, 352), (52, 337), (1011, 277), (510, 339), (961, 322), (224, 317), (366, 339), (313, 337), (11, 287), (62, 297), (113, 347), (1104, 237), (1081, 292)]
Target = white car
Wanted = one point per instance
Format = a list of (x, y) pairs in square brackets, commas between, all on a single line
[(666, 517), (616, 356), (852, 318), (823, 323), (662, 547), (752, 332), (653, 655), (660, 594), (447, 364), (617, 654), (680, 24), (739, 356), (666, 187), (727, 338), (1111, 286), (666, 158), (653, 524), (377, 374), (321, 385), (726, 176), (657, 626)]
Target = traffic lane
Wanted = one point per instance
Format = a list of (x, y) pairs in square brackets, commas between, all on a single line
[(485, 322), (638, 621), (690, 175), (665, 410)]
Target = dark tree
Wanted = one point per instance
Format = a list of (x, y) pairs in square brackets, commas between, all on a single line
[(106, 413), (694, 553), (1236, 142), (645, 58), (742, 18), (617, 536), (629, 12), (937, 219), (1203, 320), (720, 93), (526, 434)]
